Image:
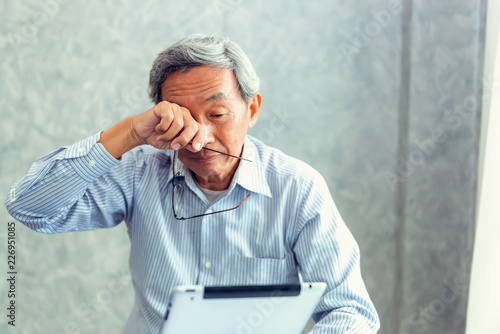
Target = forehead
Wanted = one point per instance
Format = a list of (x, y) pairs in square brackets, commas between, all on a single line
[(202, 84)]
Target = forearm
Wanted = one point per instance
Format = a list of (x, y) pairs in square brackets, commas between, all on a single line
[(120, 138), (346, 309), (346, 320)]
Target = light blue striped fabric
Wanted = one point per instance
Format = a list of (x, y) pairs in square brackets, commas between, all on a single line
[(288, 224)]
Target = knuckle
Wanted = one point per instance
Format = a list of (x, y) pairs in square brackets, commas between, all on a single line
[(176, 108), (163, 104), (168, 120), (177, 122), (167, 114), (193, 126)]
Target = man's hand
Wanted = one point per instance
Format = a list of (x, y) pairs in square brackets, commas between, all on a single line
[(165, 126), (168, 125)]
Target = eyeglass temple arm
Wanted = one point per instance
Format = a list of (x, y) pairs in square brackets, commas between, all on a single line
[(230, 155), (211, 213)]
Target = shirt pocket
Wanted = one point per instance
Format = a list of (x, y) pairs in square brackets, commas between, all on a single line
[(260, 271)]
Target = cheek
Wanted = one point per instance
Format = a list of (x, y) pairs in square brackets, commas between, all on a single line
[(231, 134), (233, 139)]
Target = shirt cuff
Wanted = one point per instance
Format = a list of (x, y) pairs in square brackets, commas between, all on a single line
[(89, 158)]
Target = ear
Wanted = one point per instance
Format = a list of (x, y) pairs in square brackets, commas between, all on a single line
[(254, 108)]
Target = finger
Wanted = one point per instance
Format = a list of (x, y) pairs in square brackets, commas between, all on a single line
[(163, 124), (161, 145), (186, 136), (198, 141), (176, 127), (165, 111)]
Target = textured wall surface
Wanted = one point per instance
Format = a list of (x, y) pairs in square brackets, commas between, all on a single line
[(444, 120), (379, 96)]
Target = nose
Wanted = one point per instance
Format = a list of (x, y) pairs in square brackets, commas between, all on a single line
[(209, 134)]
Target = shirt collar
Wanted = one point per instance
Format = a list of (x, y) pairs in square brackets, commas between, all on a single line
[(252, 175)]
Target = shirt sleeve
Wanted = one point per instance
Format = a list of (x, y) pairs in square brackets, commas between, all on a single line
[(327, 252), (77, 188)]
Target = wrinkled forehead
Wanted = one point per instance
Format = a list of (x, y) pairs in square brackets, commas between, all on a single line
[(202, 84)]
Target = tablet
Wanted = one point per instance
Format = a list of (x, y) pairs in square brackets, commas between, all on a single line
[(255, 309)]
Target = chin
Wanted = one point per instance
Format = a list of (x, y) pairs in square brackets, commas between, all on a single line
[(203, 168)]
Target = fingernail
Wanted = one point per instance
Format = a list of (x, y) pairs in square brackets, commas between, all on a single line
[(176, 146), (197, 146)]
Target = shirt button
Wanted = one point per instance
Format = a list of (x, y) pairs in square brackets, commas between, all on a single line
[(92, 163), (208, 264), (82, 149)]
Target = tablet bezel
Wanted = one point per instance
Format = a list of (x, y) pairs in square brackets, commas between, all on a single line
[(196, 308)]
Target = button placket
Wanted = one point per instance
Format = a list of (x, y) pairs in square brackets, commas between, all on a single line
[(207, 254)]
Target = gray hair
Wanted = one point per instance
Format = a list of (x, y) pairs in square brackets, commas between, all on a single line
[(197, 50)]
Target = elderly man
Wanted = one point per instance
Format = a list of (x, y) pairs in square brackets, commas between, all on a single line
[(204, 203)]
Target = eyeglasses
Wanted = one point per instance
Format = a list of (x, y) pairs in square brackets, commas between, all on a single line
[(176, 186)]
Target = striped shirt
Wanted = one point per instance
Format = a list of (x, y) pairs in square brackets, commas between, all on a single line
[(288, 225)]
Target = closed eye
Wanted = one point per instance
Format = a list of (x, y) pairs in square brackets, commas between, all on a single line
[(219, 113)]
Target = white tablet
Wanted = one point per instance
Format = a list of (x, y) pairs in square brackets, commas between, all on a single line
[(256, 309)]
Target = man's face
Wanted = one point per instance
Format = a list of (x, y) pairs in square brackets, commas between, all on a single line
[(212, 97)]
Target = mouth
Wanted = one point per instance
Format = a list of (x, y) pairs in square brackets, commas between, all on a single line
[(204, 159)]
